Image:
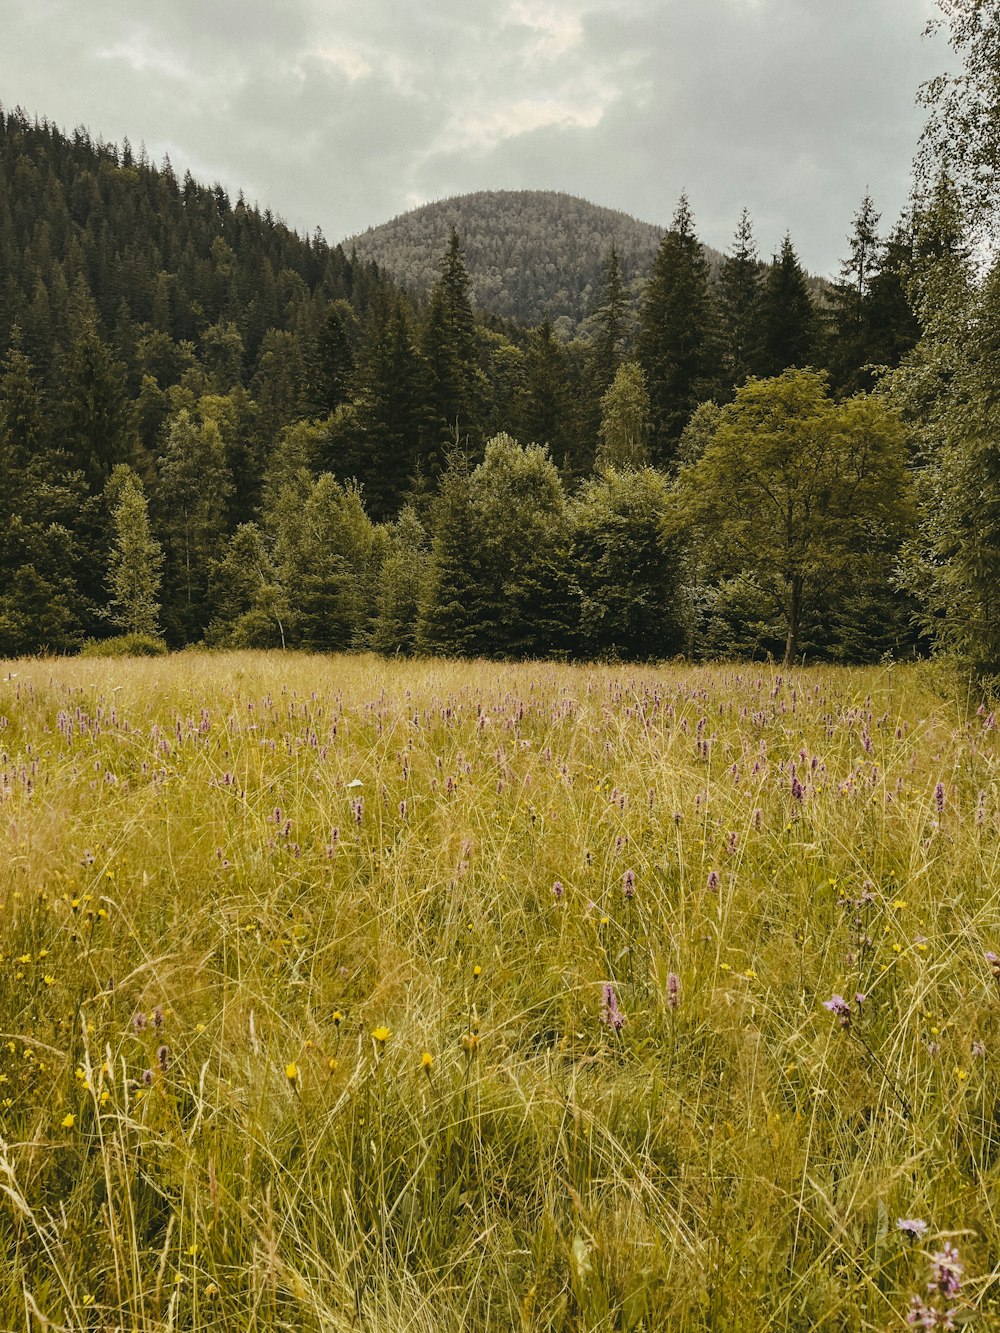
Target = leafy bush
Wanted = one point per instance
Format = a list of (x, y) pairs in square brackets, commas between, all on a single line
[(125, 645)]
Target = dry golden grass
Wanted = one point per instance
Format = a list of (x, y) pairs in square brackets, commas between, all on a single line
[(297, 1032)]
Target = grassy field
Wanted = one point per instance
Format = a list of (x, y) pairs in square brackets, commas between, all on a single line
[(338, 993)]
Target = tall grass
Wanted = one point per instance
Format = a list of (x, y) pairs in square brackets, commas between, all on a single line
[(313, 975)]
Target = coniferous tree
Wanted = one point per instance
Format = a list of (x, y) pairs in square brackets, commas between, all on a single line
[(497, 580), (625, 569), (544, 413), (191, 494), (250, 604), (788, 322), (739, 308), (448, 343), (611, 317), (674, 337), (624, 432), (136, 561), (390, 412), (400, 586), (851, 334), (96, 420)]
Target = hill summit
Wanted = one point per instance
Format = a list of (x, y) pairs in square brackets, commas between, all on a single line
[(531, 254)]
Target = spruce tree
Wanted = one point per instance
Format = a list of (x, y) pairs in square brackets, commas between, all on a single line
[(788, 323), (135, 564), (624, 432), (448, 344), (852, 333), (675, 329), (390, 411), (739, 308), (610, 320)]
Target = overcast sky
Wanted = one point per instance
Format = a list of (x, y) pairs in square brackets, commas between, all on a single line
[(341, 115)]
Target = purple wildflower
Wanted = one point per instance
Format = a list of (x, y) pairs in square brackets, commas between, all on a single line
[(839, 1006), (628, 884), (558, 890), (994, 962), (673, 990), (158, 1017), (713, 880), (921, 1315), (911, 1226), (147, 1078), (939, 798), (610, 1013), (163, 1057), (947, 1271), (139, 1021)]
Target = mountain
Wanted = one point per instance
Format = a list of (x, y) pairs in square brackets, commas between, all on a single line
[(531, 254)]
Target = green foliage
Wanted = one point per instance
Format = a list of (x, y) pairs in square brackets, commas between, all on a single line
[(323, 543), (674, 347), (192, 488), (739, 331), (250, 606), (947, 386), (136, 559), (787, 317), (794, 491), (625, 568), (400, 587), (497, 581), (125, 645), (962, 132), (625, 421)]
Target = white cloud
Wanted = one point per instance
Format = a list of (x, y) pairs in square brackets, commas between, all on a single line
[(142, 55), (523, 116), (557, 28), (346, 58)]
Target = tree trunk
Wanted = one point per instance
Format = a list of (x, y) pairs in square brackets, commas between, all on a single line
[(794, 618)]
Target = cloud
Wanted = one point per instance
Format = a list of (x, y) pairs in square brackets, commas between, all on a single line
[(342, 114), (556, 28)]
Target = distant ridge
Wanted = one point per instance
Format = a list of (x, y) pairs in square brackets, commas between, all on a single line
[(531, 254)]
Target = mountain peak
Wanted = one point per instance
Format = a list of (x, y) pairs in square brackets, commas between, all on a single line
[(531, 254)]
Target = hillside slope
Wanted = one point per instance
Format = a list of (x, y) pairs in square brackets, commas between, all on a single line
[(531, 254)]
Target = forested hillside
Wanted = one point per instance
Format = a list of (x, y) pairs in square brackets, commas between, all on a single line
[(215, 430), (531, 254)]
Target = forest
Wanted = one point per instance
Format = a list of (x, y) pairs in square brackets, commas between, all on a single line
[(215, 431)]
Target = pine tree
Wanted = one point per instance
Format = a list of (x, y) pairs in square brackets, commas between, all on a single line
[(675, 329), (390, 411), (400, 586), (739, 307), (624, 432), (852, 334), (610, 320), (190, 499), (788, 323), (97, 424), (136, 561), (625, 569), (448, 343)]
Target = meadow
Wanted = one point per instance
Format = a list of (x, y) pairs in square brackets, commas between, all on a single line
[(339, 993)]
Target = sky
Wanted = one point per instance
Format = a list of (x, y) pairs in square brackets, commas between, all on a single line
[(343, 115)]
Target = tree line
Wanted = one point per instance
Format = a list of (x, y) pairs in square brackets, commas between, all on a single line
[(218, 430)]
